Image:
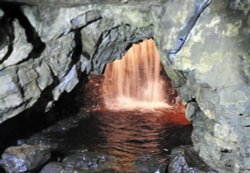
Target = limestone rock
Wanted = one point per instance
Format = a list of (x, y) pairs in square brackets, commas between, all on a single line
[(21, 48), (4, 40), (44, 76), (185, 159), (10, 93), (51, 23), (114, 41), (24, 158), (80, 161), (149, 164), (66, 3), (85, 64), (212, 62), (85, 18), (58, 55), (3, 52), (87, 161), (65, 43), (57, 167), (191, 110), (67, 84)]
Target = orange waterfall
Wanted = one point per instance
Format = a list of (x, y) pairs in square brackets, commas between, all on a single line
[(134, 81)]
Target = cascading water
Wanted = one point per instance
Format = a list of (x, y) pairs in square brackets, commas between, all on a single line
[(135, 81), (118, 139)]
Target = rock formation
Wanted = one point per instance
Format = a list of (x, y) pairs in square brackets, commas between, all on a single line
[(45, 47)]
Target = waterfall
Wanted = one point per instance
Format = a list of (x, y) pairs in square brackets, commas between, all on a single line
[(135, 81)]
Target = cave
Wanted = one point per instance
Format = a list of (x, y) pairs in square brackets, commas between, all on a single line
[(55, 55)]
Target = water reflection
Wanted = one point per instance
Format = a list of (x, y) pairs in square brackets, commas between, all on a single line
[(128, 135)]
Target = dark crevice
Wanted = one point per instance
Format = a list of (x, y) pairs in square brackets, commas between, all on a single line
[(32, 35), (21, 89), (225, 151), (107, 34), (13, 11), (80, 28), (78, 48), (93, 21), (102, 37), (10, 110), (10, 50), (26, 124), (56, 80), (7, 34)]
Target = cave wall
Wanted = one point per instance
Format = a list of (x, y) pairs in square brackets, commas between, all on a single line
[(44, 49), (215, 65)]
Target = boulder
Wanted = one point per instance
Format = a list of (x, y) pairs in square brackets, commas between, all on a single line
[(185, 160), (81, 161), (149, 164), (25, 157)]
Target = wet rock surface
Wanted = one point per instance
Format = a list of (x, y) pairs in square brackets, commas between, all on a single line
[(25, 158), (150, 164), (80, 162), (185, 159), (211, 69)]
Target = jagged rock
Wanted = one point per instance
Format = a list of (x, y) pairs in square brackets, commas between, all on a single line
[(58, 136), (87, 161), (60, 50), (90, 36), (4, 38), (85, 64), (58, 55), (3, 51), (81, 161), (10, 93), (67, 84), (85, 18), (191, 110), (57, 167), (212, 67), (44, 76), (185, 160), (21, 48), (24, 158), (149, 164), (113, 43), (66, 3), (213, 63), (50, 18)]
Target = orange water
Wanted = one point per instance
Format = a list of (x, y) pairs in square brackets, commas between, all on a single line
[(134, 82)]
